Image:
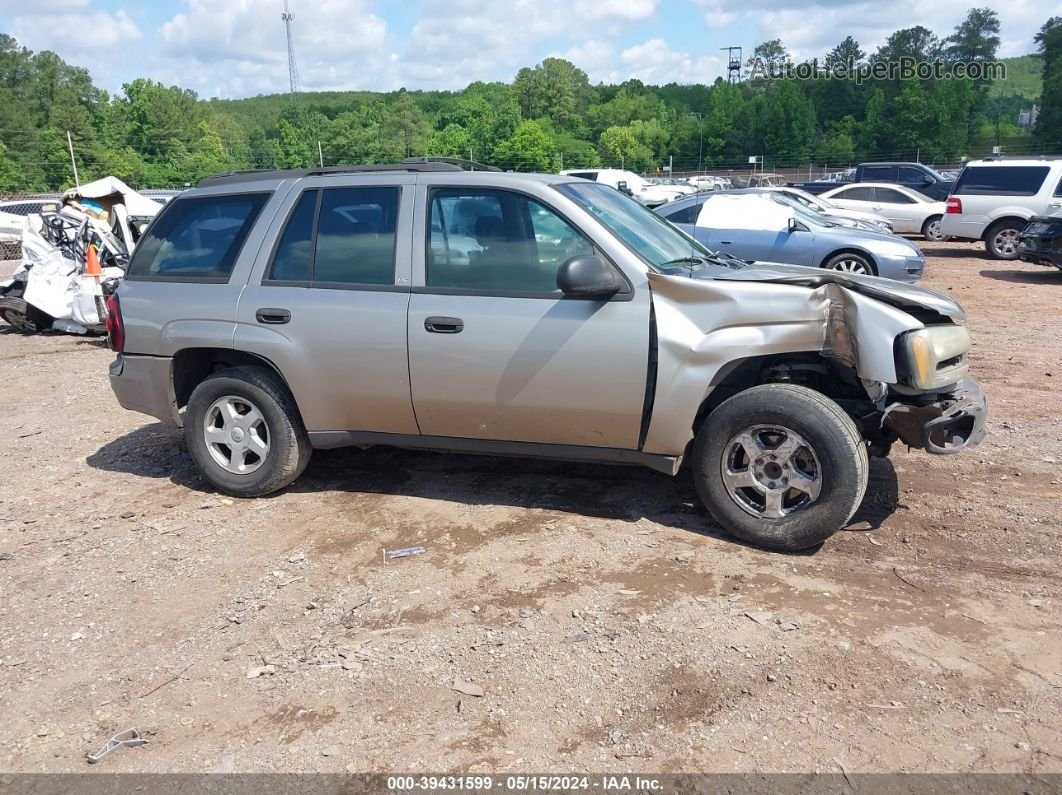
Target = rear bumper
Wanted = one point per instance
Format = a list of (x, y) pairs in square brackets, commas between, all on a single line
[(1040, 256), (951, 424), (145, 384)]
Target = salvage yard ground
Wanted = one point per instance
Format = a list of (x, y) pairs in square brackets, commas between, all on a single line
[(564, 618)]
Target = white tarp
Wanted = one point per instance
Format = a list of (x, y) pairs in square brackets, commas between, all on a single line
[(135, 204)]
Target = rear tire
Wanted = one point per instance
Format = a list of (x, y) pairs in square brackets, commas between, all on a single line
[(931, 228), (1001, 240), (805, 451), (244, 432), (850, 262)]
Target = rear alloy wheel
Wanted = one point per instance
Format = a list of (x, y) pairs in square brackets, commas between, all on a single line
[(850, 262), (931, 229), (245, 433), (1001, 242), (780, 466)]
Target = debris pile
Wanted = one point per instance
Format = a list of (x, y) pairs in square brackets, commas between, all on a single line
[(73, 258)]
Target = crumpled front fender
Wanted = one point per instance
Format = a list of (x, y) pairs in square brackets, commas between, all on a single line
[(705, 328)]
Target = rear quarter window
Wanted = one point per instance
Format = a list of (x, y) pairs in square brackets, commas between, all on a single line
[(197, 238), (1001, 180)]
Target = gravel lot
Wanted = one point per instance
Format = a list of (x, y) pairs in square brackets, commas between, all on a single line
[(565, 617)]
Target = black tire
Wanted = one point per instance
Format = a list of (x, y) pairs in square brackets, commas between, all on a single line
[(289, 447), (840, 458), (18, 314), (851, 262), (931, 228), (1001, 240)]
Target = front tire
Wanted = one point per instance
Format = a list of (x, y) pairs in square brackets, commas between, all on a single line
[(850, 262), (1001, 240), (780, 466), (244, 432)]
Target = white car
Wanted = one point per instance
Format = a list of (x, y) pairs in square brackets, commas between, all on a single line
[(994, 199), (630, 183), (909, 211), (827, 207), (709, 182)]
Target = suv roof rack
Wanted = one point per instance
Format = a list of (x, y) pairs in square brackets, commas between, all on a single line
[(410, 164), (471, 165)]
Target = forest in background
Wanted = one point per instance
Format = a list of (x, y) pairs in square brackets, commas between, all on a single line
[(549, 117)]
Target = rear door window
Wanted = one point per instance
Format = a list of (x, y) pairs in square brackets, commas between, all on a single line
[(856, 194), (197, 238), (1001, 180), (890, 196), (339, 237)]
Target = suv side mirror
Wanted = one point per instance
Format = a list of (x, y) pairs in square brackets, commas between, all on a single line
[(928, 180), (796, 226), (587, 276), (621, 186)]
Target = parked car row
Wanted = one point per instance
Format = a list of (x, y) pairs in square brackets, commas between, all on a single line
[(767, 225)]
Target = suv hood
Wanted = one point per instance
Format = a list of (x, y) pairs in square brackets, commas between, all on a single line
[(898, 294)]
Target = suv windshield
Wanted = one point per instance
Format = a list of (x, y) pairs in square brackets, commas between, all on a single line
[(650, 236)]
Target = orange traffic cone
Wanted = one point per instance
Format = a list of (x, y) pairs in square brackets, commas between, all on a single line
[(92, 263)]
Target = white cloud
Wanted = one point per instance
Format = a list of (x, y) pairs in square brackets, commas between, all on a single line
[(655, 62), (23, 9), (80, 38), (239, 48), (810, 30), (456, 41)]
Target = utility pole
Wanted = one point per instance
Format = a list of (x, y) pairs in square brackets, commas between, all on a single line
[(293, 68), (73, 162), (320, 154)]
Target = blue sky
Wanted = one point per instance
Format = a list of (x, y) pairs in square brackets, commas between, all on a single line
[(233, 48)]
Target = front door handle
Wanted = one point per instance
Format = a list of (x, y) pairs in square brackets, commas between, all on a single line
[(273, 317), (444, 325)]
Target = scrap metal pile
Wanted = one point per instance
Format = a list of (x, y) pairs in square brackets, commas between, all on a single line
[(73, 258)]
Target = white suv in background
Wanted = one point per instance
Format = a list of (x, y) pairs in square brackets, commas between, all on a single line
[(994, 199)]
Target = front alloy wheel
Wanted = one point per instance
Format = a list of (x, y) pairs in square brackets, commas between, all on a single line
[(849, 262), (780, 466), (771, 471)]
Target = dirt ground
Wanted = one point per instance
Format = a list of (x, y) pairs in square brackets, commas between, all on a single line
[(564, 618)]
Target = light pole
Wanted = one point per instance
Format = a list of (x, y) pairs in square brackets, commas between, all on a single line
[(700, 148)]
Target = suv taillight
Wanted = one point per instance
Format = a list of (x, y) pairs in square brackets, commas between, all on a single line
[(954, 205), (115, 326)]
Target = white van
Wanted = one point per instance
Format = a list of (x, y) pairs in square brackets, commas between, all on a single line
[(994, 199)]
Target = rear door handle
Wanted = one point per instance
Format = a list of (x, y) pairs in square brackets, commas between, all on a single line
[(273, 317), (444, 325)]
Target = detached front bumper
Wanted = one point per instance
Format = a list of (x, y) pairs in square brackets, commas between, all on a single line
[(951, 424)]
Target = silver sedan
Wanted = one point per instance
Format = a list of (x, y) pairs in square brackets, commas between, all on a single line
[(765, 228)]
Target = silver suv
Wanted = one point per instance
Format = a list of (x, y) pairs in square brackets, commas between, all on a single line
[(423, 306), (994, 199)]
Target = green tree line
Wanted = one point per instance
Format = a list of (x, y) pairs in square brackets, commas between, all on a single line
[(548, 117)]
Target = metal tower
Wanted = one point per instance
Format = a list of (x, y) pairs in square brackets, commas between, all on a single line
[(293, 68), (733, 67)]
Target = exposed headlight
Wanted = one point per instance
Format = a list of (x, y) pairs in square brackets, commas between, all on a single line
[(935, 356)]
